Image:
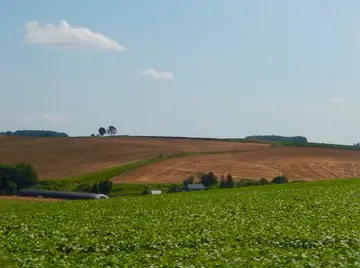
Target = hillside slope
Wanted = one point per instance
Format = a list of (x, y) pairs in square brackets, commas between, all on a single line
[(294, 162), (65, 157)]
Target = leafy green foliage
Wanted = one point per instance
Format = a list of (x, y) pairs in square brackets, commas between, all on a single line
[(277, 138), (289, 225), (13, 178), (280, 179), (320, 145), (105, 186), (95, 188), (228, 182), (208, 179), (102, 131), (35, 133)]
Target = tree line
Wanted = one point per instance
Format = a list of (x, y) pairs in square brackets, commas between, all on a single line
[(277, 138), (111, 130), (210, 181), (16, 178), (34, 133)]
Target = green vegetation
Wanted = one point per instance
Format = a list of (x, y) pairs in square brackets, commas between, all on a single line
[(84, 183), (15, 178), (320, 145), (277, 138), (292, 225), (34, 133)]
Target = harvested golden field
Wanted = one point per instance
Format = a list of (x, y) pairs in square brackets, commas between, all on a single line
[(295, 162), (64, 157)]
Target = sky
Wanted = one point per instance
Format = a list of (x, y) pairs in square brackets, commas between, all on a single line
[(205, 68)]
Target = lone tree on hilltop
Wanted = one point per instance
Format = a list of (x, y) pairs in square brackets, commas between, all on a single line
[(102, 131), (112, 130)]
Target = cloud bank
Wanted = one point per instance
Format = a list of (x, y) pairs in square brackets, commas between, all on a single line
[(67, 37), (157, 75)]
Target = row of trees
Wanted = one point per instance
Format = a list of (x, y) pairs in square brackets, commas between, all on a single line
[(34, 133), (111, 130), (277, 138), (15, 178), (210, 180)]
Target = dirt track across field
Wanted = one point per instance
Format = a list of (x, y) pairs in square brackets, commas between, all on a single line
[(294, 162), (65, 157)]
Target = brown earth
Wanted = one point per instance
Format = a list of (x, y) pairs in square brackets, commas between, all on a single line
[(65, 157), (14, 197), (294, 162)]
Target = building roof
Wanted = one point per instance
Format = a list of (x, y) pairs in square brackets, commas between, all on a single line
[(196, 186), (155, 191)]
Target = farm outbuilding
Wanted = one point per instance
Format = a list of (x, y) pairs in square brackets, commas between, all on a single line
[(155, 191), (59, 195), (195, 187)]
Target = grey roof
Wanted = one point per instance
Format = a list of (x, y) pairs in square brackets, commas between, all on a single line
[(196, 186)]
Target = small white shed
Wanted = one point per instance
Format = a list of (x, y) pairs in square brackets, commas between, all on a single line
[(155, 191)]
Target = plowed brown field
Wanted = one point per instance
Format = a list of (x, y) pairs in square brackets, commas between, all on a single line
[(296, 163), (64, 157)]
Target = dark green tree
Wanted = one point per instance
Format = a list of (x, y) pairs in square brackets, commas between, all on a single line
[(146, 191), (10, 188), (230, 181), (95, 188), (223, 182), (208, 179), (105, 186), (174, 188), (102, 131), (280, 179), (263, 181), (112, 130)]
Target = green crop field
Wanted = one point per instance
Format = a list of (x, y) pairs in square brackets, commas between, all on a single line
[(292, 225)]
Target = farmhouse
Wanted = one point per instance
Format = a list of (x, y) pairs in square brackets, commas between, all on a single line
[(195, 187), (60, 195)]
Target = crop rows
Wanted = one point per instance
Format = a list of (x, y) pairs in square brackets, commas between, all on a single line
[(275, 226)]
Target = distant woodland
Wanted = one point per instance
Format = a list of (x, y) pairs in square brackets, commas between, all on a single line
[(298, 139), (34, 133)]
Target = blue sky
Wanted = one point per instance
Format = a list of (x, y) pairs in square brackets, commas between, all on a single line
[(189, 68)]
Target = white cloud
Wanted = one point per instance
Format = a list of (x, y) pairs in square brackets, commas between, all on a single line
[(65, 36), (157, 75)]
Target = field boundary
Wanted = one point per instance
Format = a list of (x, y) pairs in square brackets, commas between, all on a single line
[(110, 172)]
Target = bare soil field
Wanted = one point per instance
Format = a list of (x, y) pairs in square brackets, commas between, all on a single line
[(65, 157), (21, 198), (297, 163)]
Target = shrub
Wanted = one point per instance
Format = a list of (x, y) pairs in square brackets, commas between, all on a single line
[(95, 188), (263, 181), (146, 191), (83, 188), (20, 176), (208, 179), (246, 182), (228, 182), (105, 186), (10, 188), (174, 188), (280, 179)]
